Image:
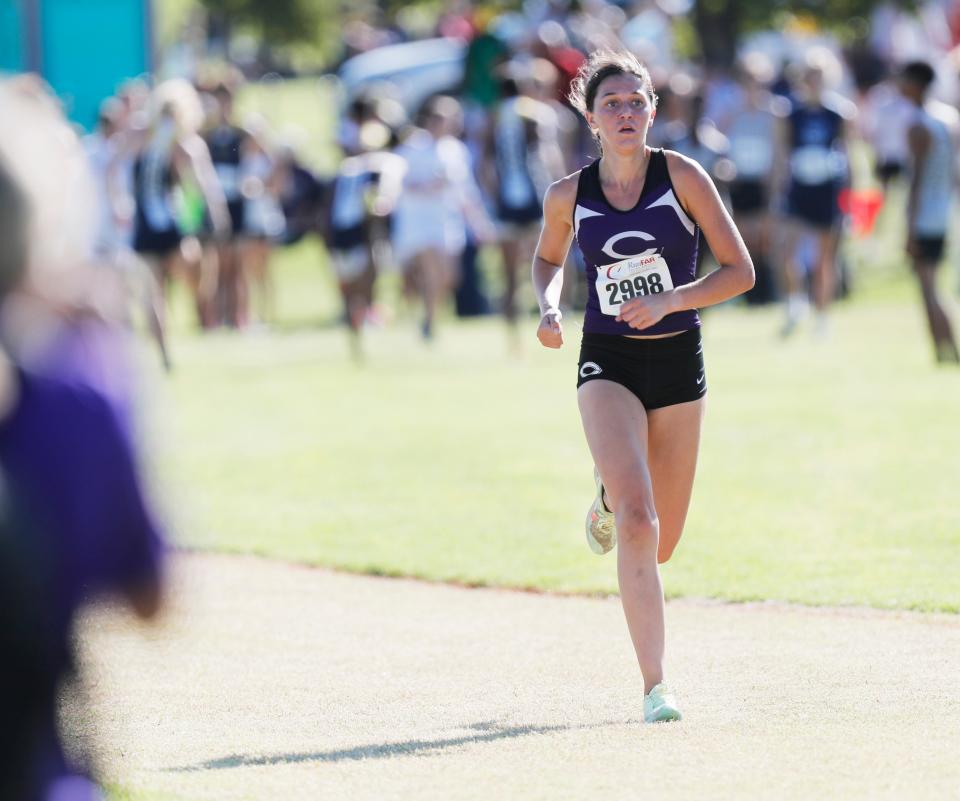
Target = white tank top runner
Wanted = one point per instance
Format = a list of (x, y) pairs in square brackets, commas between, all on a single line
[(936, 178)]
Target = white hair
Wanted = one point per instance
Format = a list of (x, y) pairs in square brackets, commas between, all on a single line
[(45, 158), (181, 99)]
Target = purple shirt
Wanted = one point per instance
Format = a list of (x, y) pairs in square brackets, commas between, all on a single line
[(656, 225), (69, 469)]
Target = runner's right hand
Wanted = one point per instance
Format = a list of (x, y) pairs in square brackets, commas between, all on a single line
[(550, 332)]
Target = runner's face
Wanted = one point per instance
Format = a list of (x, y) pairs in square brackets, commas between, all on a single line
[(622, 112)]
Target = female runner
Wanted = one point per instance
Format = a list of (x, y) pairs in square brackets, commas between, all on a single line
[(635, 213)]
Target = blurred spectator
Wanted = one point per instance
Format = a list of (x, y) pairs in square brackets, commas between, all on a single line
[(364, 189), (455, 21), (527, 159), (722, 94), (481, 89), (104, 152), (359, 112), (74, 523), (553, 44), (226, 143), (261, 178), (434, 208), (672, 120), (815, 145), (752, 132), (302, 195), (544, 83), (886, 116), (172, 156), (695, 136), (932, 138)]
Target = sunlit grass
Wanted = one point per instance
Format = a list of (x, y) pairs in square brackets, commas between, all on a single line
[(828, 473)]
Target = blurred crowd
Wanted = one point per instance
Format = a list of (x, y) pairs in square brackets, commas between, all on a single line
[(185, 192), (75, 519), (451, 127), (780, 131)]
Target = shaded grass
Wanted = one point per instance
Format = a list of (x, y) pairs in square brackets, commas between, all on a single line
[(116, 792)]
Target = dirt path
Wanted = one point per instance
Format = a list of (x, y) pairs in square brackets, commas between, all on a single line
[(272, 681)]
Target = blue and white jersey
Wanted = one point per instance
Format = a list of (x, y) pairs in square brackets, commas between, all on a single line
[(752, 133), (935, 188), (226, 144), (817, 156)]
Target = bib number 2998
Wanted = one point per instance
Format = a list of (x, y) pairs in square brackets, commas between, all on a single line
[(627, 289), (631, 278)]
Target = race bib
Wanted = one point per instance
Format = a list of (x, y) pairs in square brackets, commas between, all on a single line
[(631, 278), (816, 165)]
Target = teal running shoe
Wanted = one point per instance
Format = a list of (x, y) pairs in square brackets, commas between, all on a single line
[(660, 705), (601, 525)]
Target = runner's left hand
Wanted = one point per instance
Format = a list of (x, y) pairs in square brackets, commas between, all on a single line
[(643, 312)]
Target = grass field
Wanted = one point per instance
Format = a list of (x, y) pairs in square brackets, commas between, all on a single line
[(828, 473)]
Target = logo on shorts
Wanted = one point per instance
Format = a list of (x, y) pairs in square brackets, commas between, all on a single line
[(588, 369)]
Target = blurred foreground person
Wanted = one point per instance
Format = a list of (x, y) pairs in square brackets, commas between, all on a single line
[(74, 523), (932, 138), (636, 214), (28, 680)]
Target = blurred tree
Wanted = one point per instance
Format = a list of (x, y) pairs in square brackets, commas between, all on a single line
[(721, 23), (278, 21), (718, 24)]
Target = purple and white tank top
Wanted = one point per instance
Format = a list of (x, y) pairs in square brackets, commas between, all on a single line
[(648, 249)]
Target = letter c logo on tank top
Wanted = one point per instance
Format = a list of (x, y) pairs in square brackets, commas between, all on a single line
[(609, 249)]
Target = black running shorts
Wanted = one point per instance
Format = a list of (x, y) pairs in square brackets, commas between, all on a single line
[(888, 170), (817, 205), (931, 249), (748, 197), (660, 372), (153, 242)]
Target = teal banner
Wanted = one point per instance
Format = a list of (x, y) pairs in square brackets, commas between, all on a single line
[(12, 36)]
